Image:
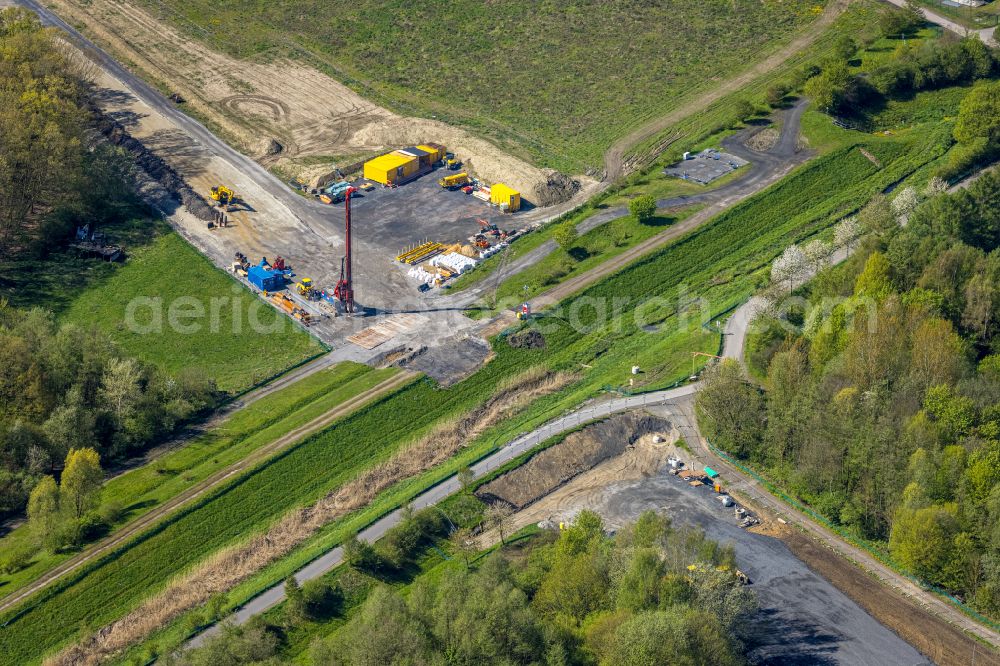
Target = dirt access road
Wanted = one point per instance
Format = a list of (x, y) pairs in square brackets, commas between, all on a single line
[(918, 615), (987, 35), (766, 167), (317, 121), (614, 158), (803, 617), (213, 481), (769, 168), (283, 222)]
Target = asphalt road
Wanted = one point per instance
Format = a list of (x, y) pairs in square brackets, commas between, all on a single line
[(313, 215), (307, 210), (735, 334), (809, 618)]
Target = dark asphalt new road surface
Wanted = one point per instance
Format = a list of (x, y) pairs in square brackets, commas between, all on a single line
[(803, 619)]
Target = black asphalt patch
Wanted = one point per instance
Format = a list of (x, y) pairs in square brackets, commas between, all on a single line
[(419, 211), (803, 618)]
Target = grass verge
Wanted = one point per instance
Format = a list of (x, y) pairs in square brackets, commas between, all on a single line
[(170, 306), (656, 305)]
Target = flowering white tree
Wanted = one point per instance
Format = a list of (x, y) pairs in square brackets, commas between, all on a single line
[(789, 266), (817, 253), (846, 233), (904, 203), (936, 186)]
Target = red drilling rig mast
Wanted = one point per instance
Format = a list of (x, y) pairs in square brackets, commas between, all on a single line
[(344, 291)]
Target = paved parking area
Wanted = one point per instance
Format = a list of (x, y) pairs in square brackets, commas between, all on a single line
[(706, 166), (419, 211)]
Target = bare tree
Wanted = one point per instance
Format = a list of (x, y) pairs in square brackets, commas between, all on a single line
[(463, 544), (465, 477), (935, 186), (497, 515)]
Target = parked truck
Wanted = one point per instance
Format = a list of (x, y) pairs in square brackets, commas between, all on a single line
[(454, 181)]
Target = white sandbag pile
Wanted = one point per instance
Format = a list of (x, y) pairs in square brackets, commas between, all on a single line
[(420, 275), (455, 262)]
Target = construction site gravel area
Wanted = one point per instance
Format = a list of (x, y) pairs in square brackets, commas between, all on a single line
[(275, 221), (803, 618), (309, 235)]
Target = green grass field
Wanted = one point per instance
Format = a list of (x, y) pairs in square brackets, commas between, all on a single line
[(699, 131), (556, 82), (723, 262), (238, 340), (144, 488)]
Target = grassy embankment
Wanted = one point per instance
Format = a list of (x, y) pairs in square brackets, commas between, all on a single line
[(508, 74), (432, 557), (144, 488), (702, 130), (722, 262), (238, 340), (705, 260)]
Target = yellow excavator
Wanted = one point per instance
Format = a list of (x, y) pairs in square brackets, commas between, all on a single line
[(224, 196), (306, 288)]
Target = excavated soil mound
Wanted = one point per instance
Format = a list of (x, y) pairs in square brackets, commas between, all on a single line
[(578, 453), (558, 187), (155, 167), (763, 140), (527, 339)]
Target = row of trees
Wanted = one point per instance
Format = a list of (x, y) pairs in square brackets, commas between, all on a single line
[(66, 388), (929, 65), (582, 598), (881, 405), (652, 594)]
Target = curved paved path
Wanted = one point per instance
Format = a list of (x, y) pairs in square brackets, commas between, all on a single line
[(985, 34), (614, 157)]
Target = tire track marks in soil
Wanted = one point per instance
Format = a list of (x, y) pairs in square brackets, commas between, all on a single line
[(614, 158)]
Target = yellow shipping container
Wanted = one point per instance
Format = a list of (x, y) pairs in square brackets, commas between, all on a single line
[(501, 194), (436, 151), (390, 168)]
